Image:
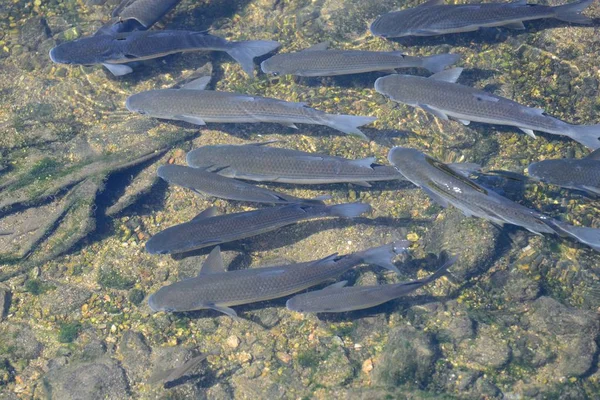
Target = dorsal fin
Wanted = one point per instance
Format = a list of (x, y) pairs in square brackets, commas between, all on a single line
[(447, 75), (336, 285), (594, 155), (364, 162), (262, 143), (318, 47), (208, 213), (198, 84), (213, 263), (432, 3)]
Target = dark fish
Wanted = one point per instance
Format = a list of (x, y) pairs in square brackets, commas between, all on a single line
[(258, 162), (216, 289), (337, 298), (446, 187), (317, 61), (169, 376), (137, 15), (197, 106), (580, 174), (114, 51), (435, 18), (442, 97), (212, 184), (209, 229)]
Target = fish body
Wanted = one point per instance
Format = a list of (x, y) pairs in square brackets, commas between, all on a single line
[(137, 15), (579, 174), (342, 62), (217, 289), (338, 298), (447, 187), (209, 183), (262, 163), (441, 96), (201, 106), (435, 18), (208, 229), (114, 50)]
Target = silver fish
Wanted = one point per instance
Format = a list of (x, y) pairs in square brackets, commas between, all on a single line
[(441, 96), (114, 51), (445, 186), (212, 184), (197, 106), (261, 163), (210, 229), (436, 18), (338, 298), (317, 61), (579, 174), (137, 15), (216, 289)]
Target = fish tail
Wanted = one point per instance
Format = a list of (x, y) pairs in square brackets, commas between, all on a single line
[(245, 52), (588, 236), (439, 62), (349, 210), (443, 270), (587, 135), (348, 123), (572, 12), (383, 255)]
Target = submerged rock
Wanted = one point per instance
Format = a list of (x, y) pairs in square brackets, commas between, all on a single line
[(18, 342), (5, 298)]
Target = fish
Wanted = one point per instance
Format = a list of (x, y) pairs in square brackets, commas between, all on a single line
[(447, 187), (436, 18), (209, 183), (209, 229), (441, 96), (579, 174), (338, 298), (262, 163), (317, 61), (193, 104), (137, 15), (217, 289), (116, 50), (167, 377)]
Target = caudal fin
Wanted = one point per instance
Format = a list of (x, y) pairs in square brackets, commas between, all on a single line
[(572, 12), (349, 210), (245, 52), (438, 62), (349, 123), (589, 236), (383, 255), (443, 270), (587, 135)]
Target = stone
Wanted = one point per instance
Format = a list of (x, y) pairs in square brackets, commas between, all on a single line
[(487, 350), (135, 354), (5, 299), (17, 341), (334, 370), (65, 299)]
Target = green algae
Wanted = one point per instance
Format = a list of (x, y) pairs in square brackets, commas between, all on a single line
[(69, 331)]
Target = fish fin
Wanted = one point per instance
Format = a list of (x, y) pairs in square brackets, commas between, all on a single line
[(291, 125), (364, 162), (587, 135), (519, 3), (268, 142), (594, 155), (190, 119), (399, 54), (208, 213), (515, 25), (438, 62), (464, 122), (118, 69), (434, 111), (465, 169), (441, 271), (383, 255), (348, 123), (362, 184), (534, 111), (588, 236), (349, 210), (439, 200), (308, 158), (245, 52), (336, 285), (447, 75), (510, 175), (225, 310), (572, 12), (198, 84), (431, 3), (485, 97), (530, 133), (591, 189), (318, 46), (213, 264)]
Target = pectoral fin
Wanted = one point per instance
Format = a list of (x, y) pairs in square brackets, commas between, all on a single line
[(447, 75), (208, 213), (190, 119), (225, 310), (213, 264), (529, 132), (362, 184), (364, 162), (436, 198), (318, 47), (438, 113), (198, 84), (515, 25), (118, 69)]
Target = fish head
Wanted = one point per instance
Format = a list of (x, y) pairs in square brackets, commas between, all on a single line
[(296, 303), (269, 66), (395, 25), (163, 300), (85, 51), (398, 88), (405, 159), (149, 103)]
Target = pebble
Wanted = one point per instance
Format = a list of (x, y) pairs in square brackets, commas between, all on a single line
[(233, 341), (367, 366)]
